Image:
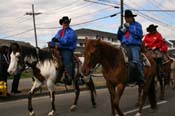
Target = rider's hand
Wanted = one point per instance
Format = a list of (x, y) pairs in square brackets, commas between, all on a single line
[(54, 39), (122, 29), (146, 44), (126, 25), (153, 48)]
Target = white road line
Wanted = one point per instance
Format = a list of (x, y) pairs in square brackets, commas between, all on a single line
[(145, 107)]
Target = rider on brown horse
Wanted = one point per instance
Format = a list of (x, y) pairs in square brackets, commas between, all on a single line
[(155, 42), (130, 34)]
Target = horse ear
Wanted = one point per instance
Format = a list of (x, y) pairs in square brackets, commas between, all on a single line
[(86, 39), (98, 40)]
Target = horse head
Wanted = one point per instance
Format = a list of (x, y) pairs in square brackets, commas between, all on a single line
[(16, 60), (91, 56)]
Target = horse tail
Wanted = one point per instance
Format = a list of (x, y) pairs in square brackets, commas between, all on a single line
[(152, 94), (91, 86)]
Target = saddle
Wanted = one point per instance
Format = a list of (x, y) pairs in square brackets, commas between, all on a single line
[(62, 73), (133, 72), (155, 53), (145, 60)]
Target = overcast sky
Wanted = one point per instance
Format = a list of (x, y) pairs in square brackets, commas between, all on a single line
[(14, 24)]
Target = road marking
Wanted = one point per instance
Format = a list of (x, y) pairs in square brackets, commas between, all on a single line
[(145, 107)]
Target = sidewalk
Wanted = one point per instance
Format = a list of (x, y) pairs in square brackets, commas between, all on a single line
[(26, 84)]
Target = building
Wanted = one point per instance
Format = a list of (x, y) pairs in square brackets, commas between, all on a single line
[(94, 34), (8, 42)]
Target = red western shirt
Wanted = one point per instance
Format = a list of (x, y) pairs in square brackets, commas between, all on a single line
[(155, 40)]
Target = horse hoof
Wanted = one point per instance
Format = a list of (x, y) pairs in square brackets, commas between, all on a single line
[(138, 114), (162, 98), (94, 106), (32, 113), (51, 113), (137, 104), (73, 108)]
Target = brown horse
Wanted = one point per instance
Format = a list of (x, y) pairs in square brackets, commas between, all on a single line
[(163, 71), (114, 70)]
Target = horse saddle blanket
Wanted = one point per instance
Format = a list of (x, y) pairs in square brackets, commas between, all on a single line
[(155, 53), (145, 60)]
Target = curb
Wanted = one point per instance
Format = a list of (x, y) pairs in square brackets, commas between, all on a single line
[(44, 93)]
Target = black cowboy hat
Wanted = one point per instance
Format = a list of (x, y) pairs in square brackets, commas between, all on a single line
[(128, 13), (65, 19), (151, 28)]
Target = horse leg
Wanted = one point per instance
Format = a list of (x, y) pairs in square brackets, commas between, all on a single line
[(161, 82), (90, 84), (148, 89), (112, 95), (91, 87), (162, 88), (120, 88), (50, 85), (142, 99), (140, 90), (36, 85), (77, 93)]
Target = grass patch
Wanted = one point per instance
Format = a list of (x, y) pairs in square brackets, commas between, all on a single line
[(25, 74)]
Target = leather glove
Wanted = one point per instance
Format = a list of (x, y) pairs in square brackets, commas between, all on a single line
[(54, 39)]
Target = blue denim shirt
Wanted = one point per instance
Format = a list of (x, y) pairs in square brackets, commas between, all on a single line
[(135, 36), (68, 41)]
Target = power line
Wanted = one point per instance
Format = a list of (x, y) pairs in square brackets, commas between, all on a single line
[(102, 3), (154, 10), (113, 15), (17, 34)]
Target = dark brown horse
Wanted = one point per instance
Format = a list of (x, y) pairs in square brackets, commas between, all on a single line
[(163, 71), (114, 70)]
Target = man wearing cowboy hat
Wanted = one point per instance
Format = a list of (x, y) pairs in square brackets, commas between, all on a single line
[(130, 35), (154, 41), (66, 40)]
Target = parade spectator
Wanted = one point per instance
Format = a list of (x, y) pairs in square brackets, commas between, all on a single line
[(130, 35), (4, 62), (15, 83)]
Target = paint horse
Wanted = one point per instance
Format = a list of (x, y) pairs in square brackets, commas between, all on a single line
[(46, 69), (115, 71)]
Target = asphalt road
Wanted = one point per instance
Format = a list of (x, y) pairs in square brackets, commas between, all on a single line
[(63, 101)]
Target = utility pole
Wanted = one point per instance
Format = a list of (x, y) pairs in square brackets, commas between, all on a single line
[(121, 7), (34, 25)]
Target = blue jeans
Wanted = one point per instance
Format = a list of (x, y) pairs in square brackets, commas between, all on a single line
[(68, 62), (136, 58)]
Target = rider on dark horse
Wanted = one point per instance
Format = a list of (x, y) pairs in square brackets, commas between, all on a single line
[(156, 47), (65, 41), (155, 42), (130, 34)]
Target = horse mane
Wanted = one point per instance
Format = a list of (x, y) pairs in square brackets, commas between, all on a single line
[(28, 51), (111, 53)]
